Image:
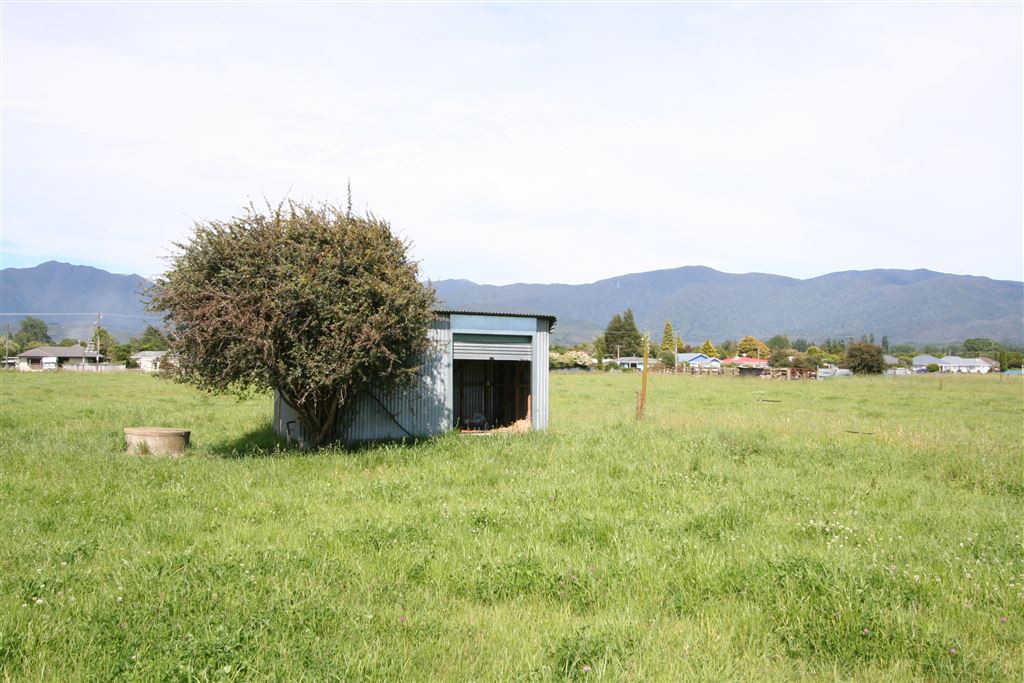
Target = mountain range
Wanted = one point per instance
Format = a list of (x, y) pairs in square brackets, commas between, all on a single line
[(905, 305), (915, 306), (68, 298)]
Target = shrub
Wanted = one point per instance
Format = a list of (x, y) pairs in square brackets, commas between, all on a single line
[(311, 300)]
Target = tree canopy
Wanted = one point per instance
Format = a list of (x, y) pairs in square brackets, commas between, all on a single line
[(600, 349), (311, 300), (622, 336), (32, 332), (864, 358), (151, 339), (668, 339), (752, 347)]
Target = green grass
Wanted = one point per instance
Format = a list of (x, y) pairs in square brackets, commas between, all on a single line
[(864, 529)]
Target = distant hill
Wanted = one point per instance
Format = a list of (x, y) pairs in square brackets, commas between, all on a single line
[(906, 305), (69, 297)]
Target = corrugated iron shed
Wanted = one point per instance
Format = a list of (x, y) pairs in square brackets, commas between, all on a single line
[(475, 341)]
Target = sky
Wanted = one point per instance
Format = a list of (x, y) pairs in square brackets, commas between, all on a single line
[(525, 142)]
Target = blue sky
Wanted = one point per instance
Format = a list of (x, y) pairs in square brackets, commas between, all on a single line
[(541, 143)]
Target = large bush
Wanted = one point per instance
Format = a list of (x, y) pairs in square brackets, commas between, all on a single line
[(311, 300), (864, 358)]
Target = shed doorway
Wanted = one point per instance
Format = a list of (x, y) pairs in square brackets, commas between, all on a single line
[(490, 394)]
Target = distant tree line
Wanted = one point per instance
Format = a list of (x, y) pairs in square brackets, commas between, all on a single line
[(622, 338)]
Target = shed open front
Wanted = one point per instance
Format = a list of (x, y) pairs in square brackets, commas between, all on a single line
[(491, 380)]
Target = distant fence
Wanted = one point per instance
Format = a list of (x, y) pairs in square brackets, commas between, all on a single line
[(94, 367)]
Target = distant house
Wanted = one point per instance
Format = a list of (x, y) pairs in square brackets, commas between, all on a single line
[(829, 370), (53, 357), (699, 361), (958, 364), (631, 362), (746, 362), (922, 362), (149, 361)]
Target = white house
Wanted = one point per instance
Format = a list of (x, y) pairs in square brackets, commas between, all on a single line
[(699, 361), (958, 364), (53, 357), (922, 362), (149, 361)]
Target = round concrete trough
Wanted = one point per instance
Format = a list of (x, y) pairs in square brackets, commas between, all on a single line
[(156, 440)]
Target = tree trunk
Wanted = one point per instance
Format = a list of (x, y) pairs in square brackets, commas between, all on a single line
[(318, 416)]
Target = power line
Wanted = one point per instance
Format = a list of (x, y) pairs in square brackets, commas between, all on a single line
[(89, 313)]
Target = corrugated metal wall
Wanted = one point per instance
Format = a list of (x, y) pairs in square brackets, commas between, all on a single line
[(420, 411), (539, 373), (496, 347)]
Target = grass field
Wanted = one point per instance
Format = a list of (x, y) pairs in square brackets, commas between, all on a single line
[(863, 529)]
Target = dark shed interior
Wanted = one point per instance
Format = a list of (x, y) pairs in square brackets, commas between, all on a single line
[(491, 393)]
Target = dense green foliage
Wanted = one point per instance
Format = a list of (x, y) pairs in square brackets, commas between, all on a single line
[(708, 349), (668, 339), (621, 337), (32, 329), (752, 347), (864, 358), (32, 332), (857, 530), (311, 300)]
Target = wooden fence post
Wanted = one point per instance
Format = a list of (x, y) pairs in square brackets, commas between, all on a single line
[(641, 401)]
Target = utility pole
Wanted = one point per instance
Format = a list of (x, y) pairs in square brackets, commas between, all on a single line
[(99, 316)]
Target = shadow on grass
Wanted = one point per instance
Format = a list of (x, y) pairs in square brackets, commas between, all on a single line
[(259, 443), (266, 443)]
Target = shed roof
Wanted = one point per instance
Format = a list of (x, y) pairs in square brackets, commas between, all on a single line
[(75, 351), (963, 362), (925, 359), (149, 354), (692, 357), (447, 310), (504, 314)]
